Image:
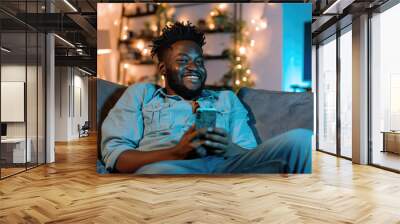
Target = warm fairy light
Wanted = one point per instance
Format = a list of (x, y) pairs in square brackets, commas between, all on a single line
[(213, 13), (244, 79), (238, 58), (154, 28), (242, 50), (252, 43), (259, 24), (162, 77), (126, 65), (263, 25), (125, 28), (211, 26), (145, 52), (239, 66), (140, 45), (124, 37), (237, 82), (116, 22), (222, 6), (248, 71), (169, 23)]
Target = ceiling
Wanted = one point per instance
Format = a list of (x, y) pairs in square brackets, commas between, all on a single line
[(75, 22), (330, 15)]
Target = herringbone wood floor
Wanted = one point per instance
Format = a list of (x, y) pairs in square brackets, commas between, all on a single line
[(70, 191)]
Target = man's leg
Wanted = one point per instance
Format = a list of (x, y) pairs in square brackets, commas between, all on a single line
[(192, 166), (289, 152)]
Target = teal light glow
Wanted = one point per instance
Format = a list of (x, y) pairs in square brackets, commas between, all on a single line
[(296, 50)]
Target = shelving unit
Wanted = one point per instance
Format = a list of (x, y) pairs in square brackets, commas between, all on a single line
[(137, 15), (130, 53)]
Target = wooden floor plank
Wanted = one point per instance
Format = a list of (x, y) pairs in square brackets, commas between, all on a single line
[(70, 191)]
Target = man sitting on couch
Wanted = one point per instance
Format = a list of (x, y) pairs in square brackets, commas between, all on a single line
[(151, 129)]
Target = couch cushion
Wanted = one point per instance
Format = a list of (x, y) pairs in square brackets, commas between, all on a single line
[(272, 112)]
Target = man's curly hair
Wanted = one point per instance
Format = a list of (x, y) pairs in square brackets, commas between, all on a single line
[(173, 33)]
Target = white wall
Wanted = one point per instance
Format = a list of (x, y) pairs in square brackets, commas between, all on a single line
[(266, 57), (70, 83)]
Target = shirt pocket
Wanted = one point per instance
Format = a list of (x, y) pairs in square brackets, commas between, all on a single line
[(223, 116), (157, 118)]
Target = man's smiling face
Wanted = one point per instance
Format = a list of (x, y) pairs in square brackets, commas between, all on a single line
[(183, 66)]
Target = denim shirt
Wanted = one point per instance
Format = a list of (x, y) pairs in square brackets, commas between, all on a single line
[(145, 118)]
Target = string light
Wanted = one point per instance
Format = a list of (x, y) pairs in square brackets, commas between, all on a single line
[(154, 28), (259, 24), (263, 25), (145, 52), (244, 79), (211, 26), (116, 22), (239, 66), (248, 71), (237, 82), (124, 37), (125, 28), (126, 65), (252, 43), (238, 58), (242, 50), (140, 45)]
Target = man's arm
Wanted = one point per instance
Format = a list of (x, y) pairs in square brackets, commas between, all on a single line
[(131, 160), (123, 127)]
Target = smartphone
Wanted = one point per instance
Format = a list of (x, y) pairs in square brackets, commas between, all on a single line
[(205, 118)]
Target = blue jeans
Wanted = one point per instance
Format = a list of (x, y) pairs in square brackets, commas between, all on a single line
[(289, 152)]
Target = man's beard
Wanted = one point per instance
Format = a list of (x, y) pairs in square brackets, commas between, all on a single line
[(181, 89)]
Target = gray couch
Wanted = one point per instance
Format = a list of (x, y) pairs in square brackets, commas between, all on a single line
[(271, 112)]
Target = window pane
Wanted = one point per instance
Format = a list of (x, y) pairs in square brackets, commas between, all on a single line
[(346, 94), (386, 89), (31, 97), (327, 96), (15, 150)]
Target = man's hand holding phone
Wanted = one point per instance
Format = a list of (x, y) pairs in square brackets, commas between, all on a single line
[(204, 138), (217, 141)]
